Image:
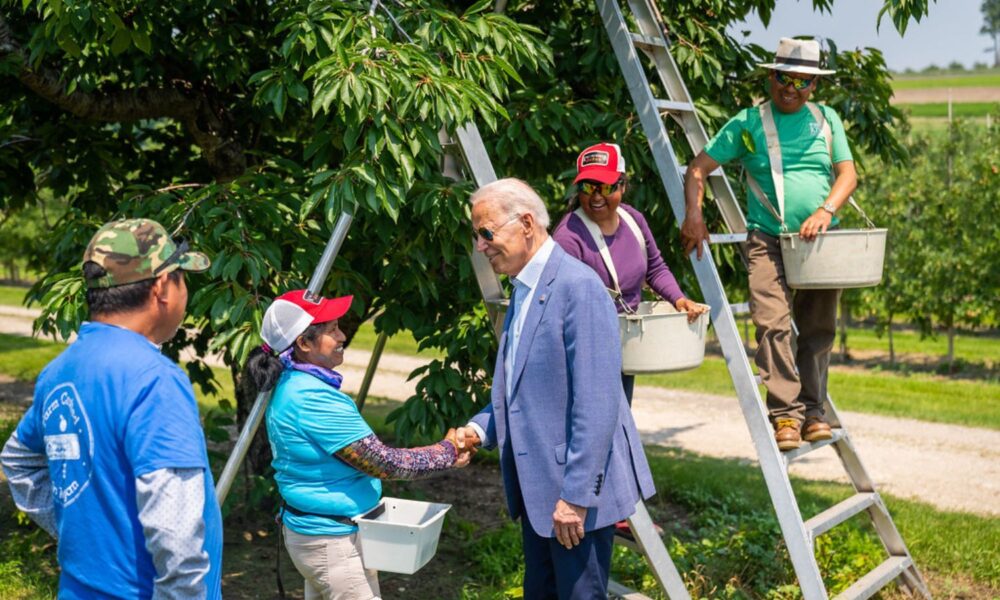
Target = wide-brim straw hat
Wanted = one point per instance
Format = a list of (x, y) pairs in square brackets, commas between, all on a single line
[(799, 56)]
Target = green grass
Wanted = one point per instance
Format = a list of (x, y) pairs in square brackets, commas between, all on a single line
[(11, 295), (915, 396), (958, 109), (980, 79), (401, 343)]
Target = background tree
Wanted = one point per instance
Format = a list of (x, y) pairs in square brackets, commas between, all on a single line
[(991, 26), (248, 126)]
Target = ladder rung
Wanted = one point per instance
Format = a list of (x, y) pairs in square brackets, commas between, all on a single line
[(717, 172), (840, 512), (620, 591), (727, 238), (669, 106), (740, 308), (627, 540), (808, 447), (646, 41), (876, 579)]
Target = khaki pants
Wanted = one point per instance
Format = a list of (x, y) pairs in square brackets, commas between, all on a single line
[(331, 566), (790, 395)]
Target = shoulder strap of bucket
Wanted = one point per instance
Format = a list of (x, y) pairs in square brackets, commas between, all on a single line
[(602, 247), (777, 169)]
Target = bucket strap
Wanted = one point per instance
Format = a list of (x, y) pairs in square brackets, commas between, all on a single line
[(602, 246), (777, 167), (777, 170)]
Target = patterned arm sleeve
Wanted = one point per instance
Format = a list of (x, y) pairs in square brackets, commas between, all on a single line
[(170, 503), (370, 456), (28, 475)]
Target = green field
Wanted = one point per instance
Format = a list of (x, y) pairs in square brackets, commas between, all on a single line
[(977, 79), (958, 109), (12, 295)]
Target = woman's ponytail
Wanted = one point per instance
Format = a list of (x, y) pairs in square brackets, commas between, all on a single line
[(263, 369)]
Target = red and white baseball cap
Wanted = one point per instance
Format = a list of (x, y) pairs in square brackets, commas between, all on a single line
[(602, 163), (291, 313)]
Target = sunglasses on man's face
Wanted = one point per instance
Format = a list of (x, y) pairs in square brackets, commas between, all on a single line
[(489, 234), (799, 83), (589, 188)]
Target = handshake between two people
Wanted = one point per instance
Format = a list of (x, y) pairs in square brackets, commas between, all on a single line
[(466, 442)]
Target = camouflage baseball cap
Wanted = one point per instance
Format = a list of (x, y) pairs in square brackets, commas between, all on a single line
[(136, 249)]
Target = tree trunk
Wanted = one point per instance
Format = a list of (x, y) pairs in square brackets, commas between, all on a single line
[(892, 349), (951, 347), (845, 317)]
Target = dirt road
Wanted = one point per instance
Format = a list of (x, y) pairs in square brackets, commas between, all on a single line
[(948, 466)]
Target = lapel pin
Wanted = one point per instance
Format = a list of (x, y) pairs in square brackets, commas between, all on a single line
[(541, 299)]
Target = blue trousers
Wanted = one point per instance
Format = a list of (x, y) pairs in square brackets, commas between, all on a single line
[(552, 572)]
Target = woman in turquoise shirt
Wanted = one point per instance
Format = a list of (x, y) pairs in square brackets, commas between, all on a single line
[(328, 463)]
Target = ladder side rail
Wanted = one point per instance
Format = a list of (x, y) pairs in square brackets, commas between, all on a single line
[(669, 74), (651, 546), (478, 165), (772, 466), (885, 527)]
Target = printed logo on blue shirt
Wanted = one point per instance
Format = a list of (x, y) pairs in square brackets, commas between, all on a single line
[(69, 443)]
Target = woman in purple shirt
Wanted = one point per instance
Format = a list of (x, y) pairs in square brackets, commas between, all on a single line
[(603, 222)]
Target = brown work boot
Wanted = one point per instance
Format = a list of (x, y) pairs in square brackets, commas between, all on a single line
[(786, 433), (815, 429)]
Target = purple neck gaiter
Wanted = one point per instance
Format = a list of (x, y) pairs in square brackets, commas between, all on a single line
[(328, 376)]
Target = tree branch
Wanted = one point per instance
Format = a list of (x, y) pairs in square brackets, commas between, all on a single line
[(222, 152)]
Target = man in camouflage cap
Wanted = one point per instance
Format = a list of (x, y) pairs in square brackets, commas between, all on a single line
[(137, 249), (110, 457)]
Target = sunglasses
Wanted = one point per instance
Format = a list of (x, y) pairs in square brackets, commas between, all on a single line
[(588, 188), (489, 234), (182, 247), (799, 83)]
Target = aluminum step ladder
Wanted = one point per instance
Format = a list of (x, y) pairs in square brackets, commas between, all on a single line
[(651, 40), (645, 538)]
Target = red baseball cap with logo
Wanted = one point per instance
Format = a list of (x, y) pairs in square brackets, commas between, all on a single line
[(601, 162), (292, 313)]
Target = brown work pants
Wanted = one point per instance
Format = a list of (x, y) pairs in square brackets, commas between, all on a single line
[(790, 394)]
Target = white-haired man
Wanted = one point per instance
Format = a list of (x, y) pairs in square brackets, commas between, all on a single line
[(571, 457)]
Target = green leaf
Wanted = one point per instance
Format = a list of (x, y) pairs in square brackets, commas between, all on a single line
[(142, 41)]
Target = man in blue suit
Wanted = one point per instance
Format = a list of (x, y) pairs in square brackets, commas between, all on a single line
[(571, 457)]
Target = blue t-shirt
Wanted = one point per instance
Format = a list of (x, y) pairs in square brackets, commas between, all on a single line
[(308, 421), (109, 409)]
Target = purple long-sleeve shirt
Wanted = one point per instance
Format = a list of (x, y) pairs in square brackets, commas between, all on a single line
[(626, 254)]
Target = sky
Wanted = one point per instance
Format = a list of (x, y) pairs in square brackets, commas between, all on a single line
[(950, 32)]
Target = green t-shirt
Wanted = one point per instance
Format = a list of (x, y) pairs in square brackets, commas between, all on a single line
[(804, 157)]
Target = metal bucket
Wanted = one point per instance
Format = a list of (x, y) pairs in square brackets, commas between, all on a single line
[(843, 258), (658, 339)]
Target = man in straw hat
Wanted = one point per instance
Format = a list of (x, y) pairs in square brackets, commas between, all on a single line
[(110, 458), (799, 173)]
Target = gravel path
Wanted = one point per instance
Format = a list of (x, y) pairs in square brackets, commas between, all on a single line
[(958, 95), (949, 466)]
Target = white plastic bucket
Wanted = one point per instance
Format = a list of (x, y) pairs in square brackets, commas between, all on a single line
[(400, 536), (843, 258), (658, 339)]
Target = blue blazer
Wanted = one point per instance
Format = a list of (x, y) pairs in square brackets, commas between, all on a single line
[(566, 431)]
